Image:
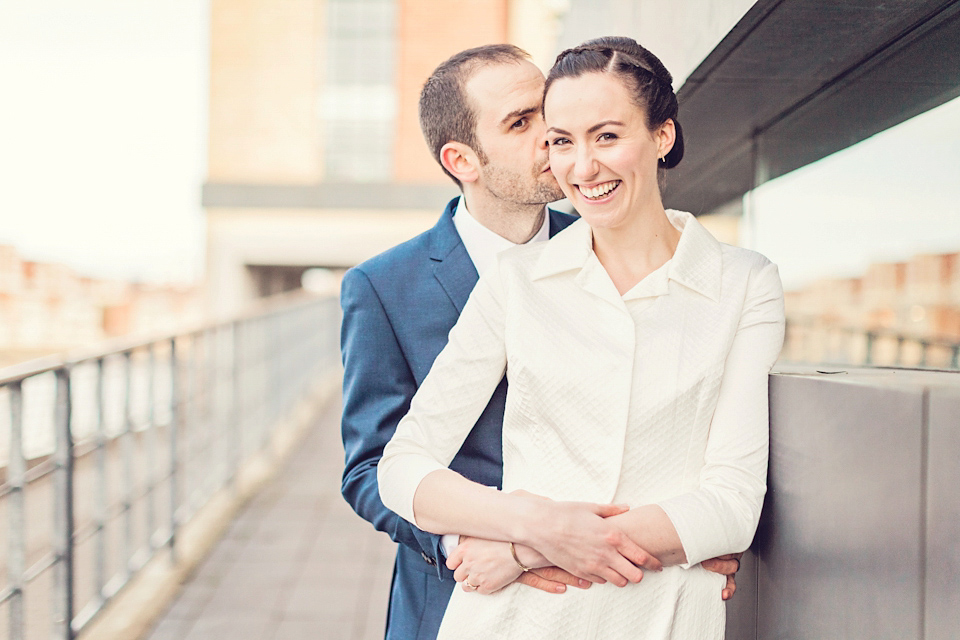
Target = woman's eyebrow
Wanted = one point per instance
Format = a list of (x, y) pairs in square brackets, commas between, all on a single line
[(601, 125), (596, 127)]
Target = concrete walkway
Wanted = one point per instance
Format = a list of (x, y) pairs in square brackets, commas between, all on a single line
[(297, 564)]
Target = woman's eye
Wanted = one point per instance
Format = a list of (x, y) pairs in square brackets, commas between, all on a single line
[(556, 142), (606, 137)]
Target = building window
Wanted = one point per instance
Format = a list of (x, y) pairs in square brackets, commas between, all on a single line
[(358, 100)]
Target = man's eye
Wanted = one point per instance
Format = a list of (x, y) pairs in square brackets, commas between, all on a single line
[(520, 124)]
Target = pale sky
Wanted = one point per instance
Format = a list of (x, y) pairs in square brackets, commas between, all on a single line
[(102, 152), (103, 130)]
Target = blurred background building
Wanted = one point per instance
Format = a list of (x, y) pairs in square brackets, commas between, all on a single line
[(305, 146)]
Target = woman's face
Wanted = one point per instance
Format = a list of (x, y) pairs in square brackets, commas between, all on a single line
[(601, 151)]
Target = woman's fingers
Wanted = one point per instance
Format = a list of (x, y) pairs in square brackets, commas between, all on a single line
[(455, 558)]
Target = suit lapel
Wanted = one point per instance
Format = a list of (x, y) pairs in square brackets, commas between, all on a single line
[(452, 266)]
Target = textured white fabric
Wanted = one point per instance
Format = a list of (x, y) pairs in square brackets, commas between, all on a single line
[(481, 243), (656, 396), (482, 246)]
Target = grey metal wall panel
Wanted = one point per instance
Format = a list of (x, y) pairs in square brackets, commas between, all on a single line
[(742, 610), (943, 516), (839, 542)]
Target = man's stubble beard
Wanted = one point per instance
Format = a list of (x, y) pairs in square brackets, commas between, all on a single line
[(516, 189)]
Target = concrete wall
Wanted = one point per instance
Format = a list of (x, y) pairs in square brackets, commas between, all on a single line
[(681, 34), (858, 534)]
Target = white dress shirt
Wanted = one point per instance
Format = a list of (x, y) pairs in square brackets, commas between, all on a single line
[(481, 243), (656, 396)]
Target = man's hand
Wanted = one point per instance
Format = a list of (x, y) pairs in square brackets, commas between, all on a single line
[(577, 537), (726, 565), (552, 579)]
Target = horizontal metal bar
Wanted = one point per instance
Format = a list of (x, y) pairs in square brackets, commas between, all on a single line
[(8, 593), (280, 303), (38, 567)]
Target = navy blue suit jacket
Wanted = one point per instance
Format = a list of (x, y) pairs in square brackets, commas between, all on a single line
[(397, 311)]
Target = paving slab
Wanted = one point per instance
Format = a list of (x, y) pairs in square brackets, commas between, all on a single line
[(296, 563)]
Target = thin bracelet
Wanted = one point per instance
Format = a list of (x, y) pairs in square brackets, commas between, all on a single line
[(513, 551)]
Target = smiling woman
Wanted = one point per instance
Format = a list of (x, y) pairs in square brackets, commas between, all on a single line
[(637, 350)]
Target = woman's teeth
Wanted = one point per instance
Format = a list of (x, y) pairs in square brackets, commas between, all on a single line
[(598, 191)]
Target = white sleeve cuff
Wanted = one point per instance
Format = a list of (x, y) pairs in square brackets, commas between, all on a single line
[(449, 543)]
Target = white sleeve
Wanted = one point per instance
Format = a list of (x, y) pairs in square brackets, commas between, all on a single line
[(722, 515), (451, 398)]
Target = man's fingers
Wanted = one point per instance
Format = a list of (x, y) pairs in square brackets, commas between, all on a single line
[(607, 510), (556, 574), (531, 579), (723, 567), (731, 587), (632, 552)]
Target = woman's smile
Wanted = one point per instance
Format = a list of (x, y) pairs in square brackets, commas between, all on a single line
[(600, 191)]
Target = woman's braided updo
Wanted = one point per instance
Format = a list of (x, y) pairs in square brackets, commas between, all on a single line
[(648, 81)]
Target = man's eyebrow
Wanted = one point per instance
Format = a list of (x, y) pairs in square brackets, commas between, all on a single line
[(518, 113)]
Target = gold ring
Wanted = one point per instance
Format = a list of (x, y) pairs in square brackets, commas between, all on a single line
[(472, 587)]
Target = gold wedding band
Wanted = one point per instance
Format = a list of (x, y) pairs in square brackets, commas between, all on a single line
[(472, 587)]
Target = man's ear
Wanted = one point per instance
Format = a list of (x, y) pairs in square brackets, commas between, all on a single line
[(461, 161)]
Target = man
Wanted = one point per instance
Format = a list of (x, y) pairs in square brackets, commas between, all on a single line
[(480, 114)]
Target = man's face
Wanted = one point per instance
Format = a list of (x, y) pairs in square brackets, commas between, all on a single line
[(506, 99)]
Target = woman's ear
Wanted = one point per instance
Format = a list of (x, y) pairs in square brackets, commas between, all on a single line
[(461, 161), (666, 135)]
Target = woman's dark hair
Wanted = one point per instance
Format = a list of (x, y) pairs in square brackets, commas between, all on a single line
[(644, 75)]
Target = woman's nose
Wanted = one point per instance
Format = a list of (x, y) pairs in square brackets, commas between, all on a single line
[(586, 164)]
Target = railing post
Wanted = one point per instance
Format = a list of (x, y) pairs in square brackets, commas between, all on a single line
[(868, 359), (236, 415), (955, 359), (16, 543), (174, 427), (126, 451), (63, 516), (101, 503), (149, 447)]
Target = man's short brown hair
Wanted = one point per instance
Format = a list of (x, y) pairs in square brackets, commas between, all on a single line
[(446, 114)]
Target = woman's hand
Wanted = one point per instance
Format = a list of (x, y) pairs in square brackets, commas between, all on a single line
[(482, 564), (577, 536)]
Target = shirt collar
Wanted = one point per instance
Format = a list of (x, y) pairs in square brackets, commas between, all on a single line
[(696, 264), (481, 243)]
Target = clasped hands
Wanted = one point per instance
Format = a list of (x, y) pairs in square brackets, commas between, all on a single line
[(577, 545)]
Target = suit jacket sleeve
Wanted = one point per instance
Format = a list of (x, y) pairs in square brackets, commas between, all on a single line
[(377, 387)]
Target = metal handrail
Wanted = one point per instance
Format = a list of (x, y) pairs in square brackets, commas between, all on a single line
[(871, 338), (144, 432)]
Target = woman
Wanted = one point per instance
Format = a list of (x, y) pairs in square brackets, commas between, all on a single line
[(637, 349)]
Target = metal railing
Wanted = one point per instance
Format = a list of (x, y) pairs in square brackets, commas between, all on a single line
[(808, 340), (110, 453)]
